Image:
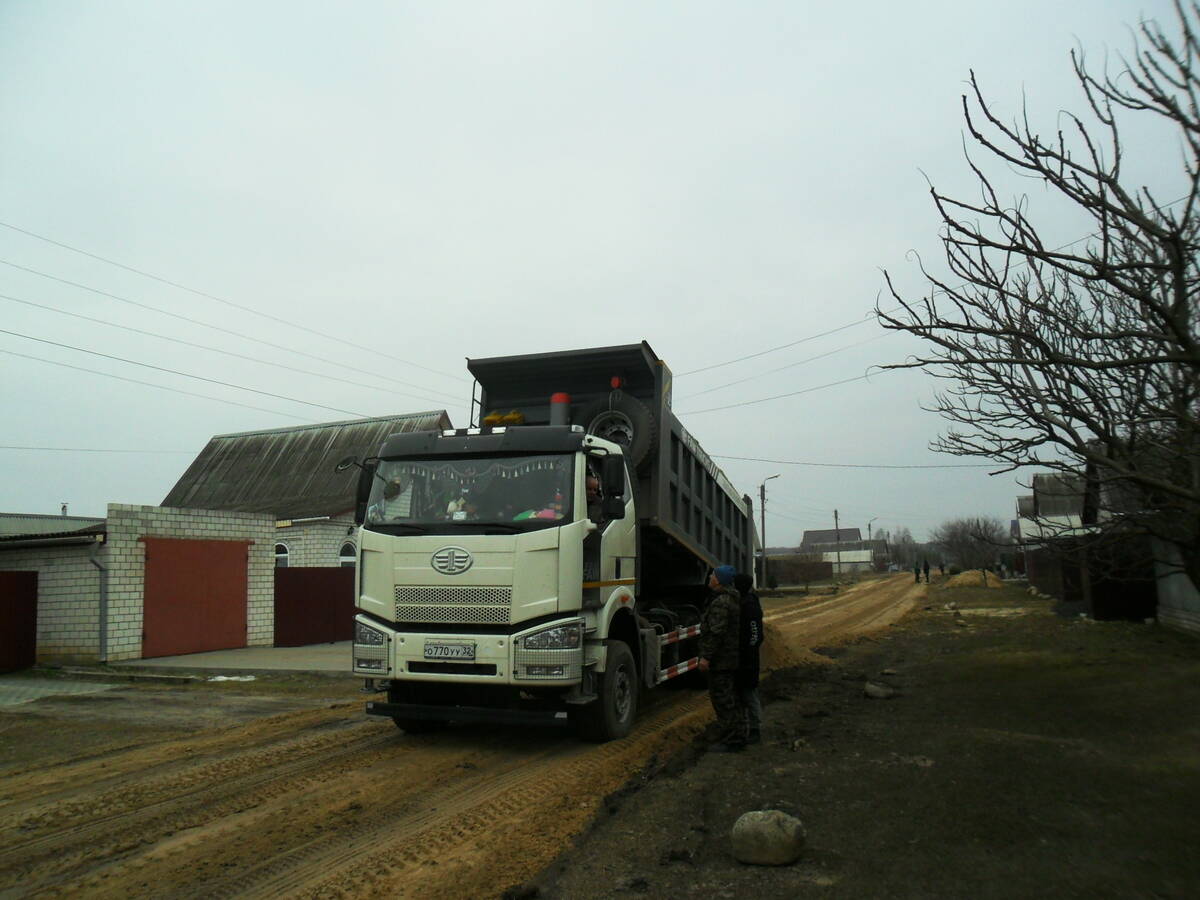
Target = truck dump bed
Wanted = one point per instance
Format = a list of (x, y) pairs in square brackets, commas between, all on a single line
[(691, 516)]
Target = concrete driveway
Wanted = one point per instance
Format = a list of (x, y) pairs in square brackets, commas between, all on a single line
[(332, 658)]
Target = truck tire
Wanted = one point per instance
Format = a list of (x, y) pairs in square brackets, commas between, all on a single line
[(612, 713), (624, 420)]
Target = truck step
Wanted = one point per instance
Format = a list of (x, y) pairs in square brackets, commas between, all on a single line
[(679, 634), (679, 669)]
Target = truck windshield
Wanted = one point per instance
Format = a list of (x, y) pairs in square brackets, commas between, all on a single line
[(516, 492)]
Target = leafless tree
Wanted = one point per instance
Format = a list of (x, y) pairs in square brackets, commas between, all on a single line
[(1084, 358), (972, 543)]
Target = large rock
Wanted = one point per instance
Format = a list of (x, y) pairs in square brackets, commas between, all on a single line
[(768, 837)]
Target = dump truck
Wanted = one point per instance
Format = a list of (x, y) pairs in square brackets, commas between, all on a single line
[(548, 563)]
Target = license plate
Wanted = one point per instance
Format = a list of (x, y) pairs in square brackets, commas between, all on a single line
[(449, 651)]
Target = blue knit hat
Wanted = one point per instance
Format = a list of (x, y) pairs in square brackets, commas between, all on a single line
[(725, 574)]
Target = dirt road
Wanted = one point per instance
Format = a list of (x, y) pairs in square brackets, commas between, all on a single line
[(324, 802)]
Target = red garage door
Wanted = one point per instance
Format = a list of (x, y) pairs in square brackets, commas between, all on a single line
[(195, 596)]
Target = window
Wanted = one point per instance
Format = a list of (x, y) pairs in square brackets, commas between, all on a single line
[(281, 556), (346, 555)]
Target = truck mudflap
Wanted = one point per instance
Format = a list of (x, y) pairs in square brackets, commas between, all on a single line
[(466, 713)]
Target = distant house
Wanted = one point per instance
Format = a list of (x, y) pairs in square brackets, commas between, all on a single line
[(1118, 573), (290, 474), (845, 549)]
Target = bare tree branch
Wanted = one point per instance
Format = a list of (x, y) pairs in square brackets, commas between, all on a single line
[(1081, 359)]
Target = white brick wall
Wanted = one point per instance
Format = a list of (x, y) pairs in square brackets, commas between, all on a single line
[(127, 560), (316, 543), (68, 612), (69, 585)]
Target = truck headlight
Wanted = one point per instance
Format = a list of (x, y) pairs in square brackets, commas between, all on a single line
[(368, 636), (561, 637)]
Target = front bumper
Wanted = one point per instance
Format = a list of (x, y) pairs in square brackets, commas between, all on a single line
[(545, 655), (466, 713)]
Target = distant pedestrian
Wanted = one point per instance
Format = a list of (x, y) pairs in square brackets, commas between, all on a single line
[(720, 627), (942, 569), (917, 572), (925, 569), (751, 630)]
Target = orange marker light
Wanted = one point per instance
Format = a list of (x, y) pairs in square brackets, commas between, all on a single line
[(616, 381)]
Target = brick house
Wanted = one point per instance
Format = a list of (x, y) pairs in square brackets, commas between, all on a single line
[(203, 571)]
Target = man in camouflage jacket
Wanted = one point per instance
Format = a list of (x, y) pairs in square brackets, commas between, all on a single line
[(719, 638)]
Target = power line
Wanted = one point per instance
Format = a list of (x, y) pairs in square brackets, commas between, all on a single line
[(90, 449), (199, 293), (796, 462), (183, 374), (253, 359), (783, 396), (161, 387), (729, 384), (218, 328), (811, 337)]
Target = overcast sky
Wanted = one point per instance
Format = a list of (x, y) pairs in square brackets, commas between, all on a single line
[(374, 191)]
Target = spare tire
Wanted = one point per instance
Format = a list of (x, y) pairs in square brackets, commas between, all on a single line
[(624, 420)]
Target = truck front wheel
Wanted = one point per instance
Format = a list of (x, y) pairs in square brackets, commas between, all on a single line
[(611, 714)]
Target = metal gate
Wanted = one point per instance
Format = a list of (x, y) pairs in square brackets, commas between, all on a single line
[(18, 620), (195, 596), (313, 605)]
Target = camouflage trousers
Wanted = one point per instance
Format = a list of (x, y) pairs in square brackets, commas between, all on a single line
[(731, 718)]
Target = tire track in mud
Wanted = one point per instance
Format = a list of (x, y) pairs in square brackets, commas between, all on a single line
[(93, 770), (847, 614), (125, 816), (358, 809), (449, 817)]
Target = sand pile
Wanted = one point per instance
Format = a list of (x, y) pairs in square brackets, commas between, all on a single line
[(974, 579)]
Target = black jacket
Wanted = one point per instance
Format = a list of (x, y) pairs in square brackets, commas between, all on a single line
[(750, 639)]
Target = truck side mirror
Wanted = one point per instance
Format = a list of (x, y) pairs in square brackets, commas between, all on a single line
[(612, 476), (366, 475), (613, 508)]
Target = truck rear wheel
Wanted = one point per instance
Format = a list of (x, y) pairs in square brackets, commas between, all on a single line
[(611, 714)]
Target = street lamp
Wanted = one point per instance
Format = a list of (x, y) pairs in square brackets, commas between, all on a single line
[(762, 511)]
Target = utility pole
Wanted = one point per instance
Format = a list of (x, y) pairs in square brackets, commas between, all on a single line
[(762, 512), (837, 537)]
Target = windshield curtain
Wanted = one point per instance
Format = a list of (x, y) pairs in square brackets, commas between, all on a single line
[(523, 492)]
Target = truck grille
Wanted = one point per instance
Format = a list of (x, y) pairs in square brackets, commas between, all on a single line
[(454, 606)]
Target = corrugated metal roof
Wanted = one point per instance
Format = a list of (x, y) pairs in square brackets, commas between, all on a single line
[(32, 523), (831, 536), (1058, 494), (289, 472)]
